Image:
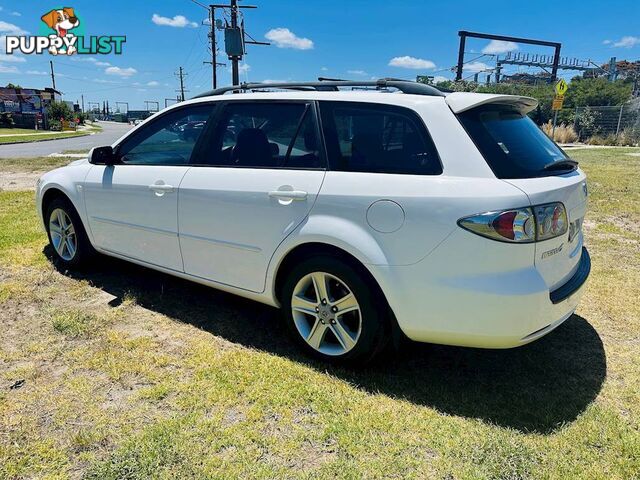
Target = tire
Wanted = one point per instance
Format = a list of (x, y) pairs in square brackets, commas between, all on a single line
[(61, 216), (341, 330)]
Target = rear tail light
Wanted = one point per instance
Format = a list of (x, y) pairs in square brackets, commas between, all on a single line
[(519, 225)]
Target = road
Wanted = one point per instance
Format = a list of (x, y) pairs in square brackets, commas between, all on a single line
[(111, 131)]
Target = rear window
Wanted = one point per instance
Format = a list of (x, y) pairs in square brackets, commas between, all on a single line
[(511, 143)]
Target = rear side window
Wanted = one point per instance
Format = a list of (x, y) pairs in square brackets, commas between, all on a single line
[(511, 143), (367, 137), (265, 135)]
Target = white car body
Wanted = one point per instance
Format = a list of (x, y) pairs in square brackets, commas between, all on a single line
[(226, 228)]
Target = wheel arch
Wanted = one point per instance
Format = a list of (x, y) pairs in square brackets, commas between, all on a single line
[(304, 250), (51, 194), (54, 191)]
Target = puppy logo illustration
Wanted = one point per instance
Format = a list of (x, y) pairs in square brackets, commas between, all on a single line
[(62, 21)]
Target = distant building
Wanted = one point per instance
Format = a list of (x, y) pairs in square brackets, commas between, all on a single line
[(27, 106)]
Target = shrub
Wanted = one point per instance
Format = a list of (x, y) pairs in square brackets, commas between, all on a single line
[(564, 133), (6, 120), (626, 138), (629, 137), (59, 110)]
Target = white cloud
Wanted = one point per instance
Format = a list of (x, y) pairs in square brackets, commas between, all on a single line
[(102, 80), (499, 46), (121, 72), (93, 60), (36, 72), (16, 14), (440, 78), (606, 42), (357, 72), (12, 58), (8, 69), (11, 29), (411, 62), (324, 69), (153, 83), (244, 68), (273, 80), (476, 67), (179, 21), (285, 38), (627, 42)]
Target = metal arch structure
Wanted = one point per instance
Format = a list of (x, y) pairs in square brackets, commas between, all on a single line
[(487, 36)]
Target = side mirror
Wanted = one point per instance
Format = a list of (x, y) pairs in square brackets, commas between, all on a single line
[(102, 156)]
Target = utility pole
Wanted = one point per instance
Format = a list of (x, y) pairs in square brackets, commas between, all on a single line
[(181, 75), (235, 59), (53, 77), (234, 38), (82, 97), (212, 36)]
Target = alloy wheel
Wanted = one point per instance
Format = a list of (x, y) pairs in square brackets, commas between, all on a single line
[(326, 313), (63, 234)]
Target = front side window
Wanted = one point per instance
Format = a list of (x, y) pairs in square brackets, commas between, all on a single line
[(265, 135), (377, 138), (512, 144), (169, 140)]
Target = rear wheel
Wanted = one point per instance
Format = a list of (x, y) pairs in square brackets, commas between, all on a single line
[(334, 311), (66, 233)]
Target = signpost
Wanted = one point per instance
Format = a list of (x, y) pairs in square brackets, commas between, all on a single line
[(560, 88)]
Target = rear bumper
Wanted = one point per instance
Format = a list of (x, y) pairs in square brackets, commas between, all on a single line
[(575, 282), (489, 297)]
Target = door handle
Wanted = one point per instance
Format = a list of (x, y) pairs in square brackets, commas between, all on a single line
[(161, 188), (289, 194)]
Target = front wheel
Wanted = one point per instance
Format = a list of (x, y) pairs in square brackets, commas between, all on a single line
[(334, 311), (66, 234)]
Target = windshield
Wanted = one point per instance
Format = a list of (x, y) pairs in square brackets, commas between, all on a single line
[(512, 145)]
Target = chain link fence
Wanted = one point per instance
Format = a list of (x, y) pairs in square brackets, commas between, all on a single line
[(607, 124)]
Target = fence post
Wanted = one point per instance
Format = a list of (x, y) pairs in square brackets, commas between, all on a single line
[(619, 120)]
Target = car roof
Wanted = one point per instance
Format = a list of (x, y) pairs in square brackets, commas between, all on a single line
[(458, 101)]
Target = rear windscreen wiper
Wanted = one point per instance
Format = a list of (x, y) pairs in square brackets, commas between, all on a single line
[(561, 165)]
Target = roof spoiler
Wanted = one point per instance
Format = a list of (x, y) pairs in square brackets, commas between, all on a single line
[(462, 101)]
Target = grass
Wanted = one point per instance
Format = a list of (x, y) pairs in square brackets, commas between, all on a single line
[(132, 374), (38, 137), (75, 151), (33, 164), (13, 131)]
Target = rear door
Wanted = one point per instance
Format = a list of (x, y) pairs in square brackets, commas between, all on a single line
[(521, 154), (257, 177)]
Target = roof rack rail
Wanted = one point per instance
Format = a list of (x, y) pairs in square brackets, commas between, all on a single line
[(405, 86)]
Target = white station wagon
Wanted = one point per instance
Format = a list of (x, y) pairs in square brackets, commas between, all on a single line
[(361, 209)]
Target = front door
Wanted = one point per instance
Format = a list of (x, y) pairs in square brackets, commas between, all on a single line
[(261, 173), (132, 206)]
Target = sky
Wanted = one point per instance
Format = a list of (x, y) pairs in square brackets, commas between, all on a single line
[(353, 39)]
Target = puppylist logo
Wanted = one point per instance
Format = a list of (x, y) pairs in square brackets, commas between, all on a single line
[(62, 33)]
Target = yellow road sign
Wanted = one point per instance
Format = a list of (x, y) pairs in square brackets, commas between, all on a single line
[(558, 100), (561, 87)]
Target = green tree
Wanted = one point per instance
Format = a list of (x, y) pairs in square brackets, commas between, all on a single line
[(597, 91), (13, 85), (58, 110)]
